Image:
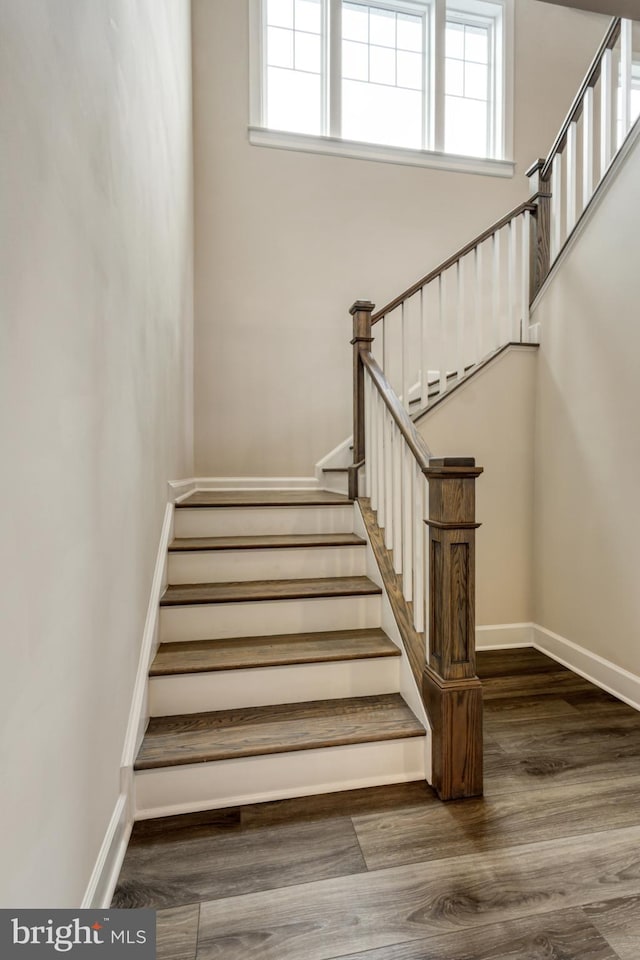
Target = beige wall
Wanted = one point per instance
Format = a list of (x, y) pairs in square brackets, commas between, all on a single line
[(586, 504), (286, 241), (613, 8), (96, 399), (476, 421)]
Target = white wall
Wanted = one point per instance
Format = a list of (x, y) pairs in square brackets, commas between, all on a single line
[(586, 504), (286, 241), (96, 402), (476, 421)]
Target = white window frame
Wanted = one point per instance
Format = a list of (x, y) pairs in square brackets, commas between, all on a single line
[(331, 143)]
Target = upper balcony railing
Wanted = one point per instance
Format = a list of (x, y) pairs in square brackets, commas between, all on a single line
[(603, 112)]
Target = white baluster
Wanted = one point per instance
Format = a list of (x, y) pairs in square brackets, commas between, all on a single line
[(442, 319), (556, 206), (513, 320), (406, 354), (587, 147), (397, 499), (382, 473), (460, 354), (606, 102), (388, 481), (367, 434), (418, 550), (626, 57), (385, 346), (424, 513), (372, 450), (424, 347), (407, 522), (572, 175), (477, 302), (495, 292), (524, 278)]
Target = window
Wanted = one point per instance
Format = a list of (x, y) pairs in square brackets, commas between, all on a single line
[(423, 75)]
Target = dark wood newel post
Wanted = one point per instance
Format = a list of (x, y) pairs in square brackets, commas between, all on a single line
[(452, 692), (540, 243), (361, 312)]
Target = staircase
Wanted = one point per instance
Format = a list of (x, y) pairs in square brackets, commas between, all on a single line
[(273, 677)]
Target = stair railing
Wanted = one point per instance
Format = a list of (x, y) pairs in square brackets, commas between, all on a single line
[(471, 304), (597, 124), (409, 488)]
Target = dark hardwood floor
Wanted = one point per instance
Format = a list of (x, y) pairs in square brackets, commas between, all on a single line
[(546, 866)]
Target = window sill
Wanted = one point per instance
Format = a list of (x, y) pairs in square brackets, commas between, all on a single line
[(332, 146)]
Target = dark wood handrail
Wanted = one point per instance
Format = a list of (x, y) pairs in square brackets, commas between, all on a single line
[(403, 421), (485, 235), (591, 77)]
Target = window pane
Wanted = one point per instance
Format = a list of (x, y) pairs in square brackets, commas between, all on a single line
[(308, 15), (376, 114), (455, 40), (465, 126), (355, 22), (280, 13), (382, 27), (476, 44), (454, 77), (475, 81), (307, 52), (409, 32), (355, 60), (293, 101), (279, 47), (409, 70), (382, 65)]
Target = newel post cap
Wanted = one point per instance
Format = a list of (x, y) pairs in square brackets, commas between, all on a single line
[(364, 306)]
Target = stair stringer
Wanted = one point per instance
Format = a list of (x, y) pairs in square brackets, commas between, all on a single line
[(408, 685)]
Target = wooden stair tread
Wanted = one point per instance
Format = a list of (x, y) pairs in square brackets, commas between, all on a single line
[(268, 542), (263, 498), (203, 656), (255, 731), (250, 590)]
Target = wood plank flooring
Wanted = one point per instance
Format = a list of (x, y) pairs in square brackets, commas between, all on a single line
[(545, 867)]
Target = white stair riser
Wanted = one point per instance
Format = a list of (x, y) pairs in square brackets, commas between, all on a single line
[(219, 621), (261, 686), (225, 783), (261, 521), (281, 564)]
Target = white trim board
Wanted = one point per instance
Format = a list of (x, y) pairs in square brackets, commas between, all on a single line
[(603, 673), (104, 876), (504, 636)]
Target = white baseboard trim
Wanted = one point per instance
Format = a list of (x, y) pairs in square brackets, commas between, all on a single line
[(340, 456), (603, 673), (621, 683), (504, 636), (139, 713), (104, 876), (179, 489)]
